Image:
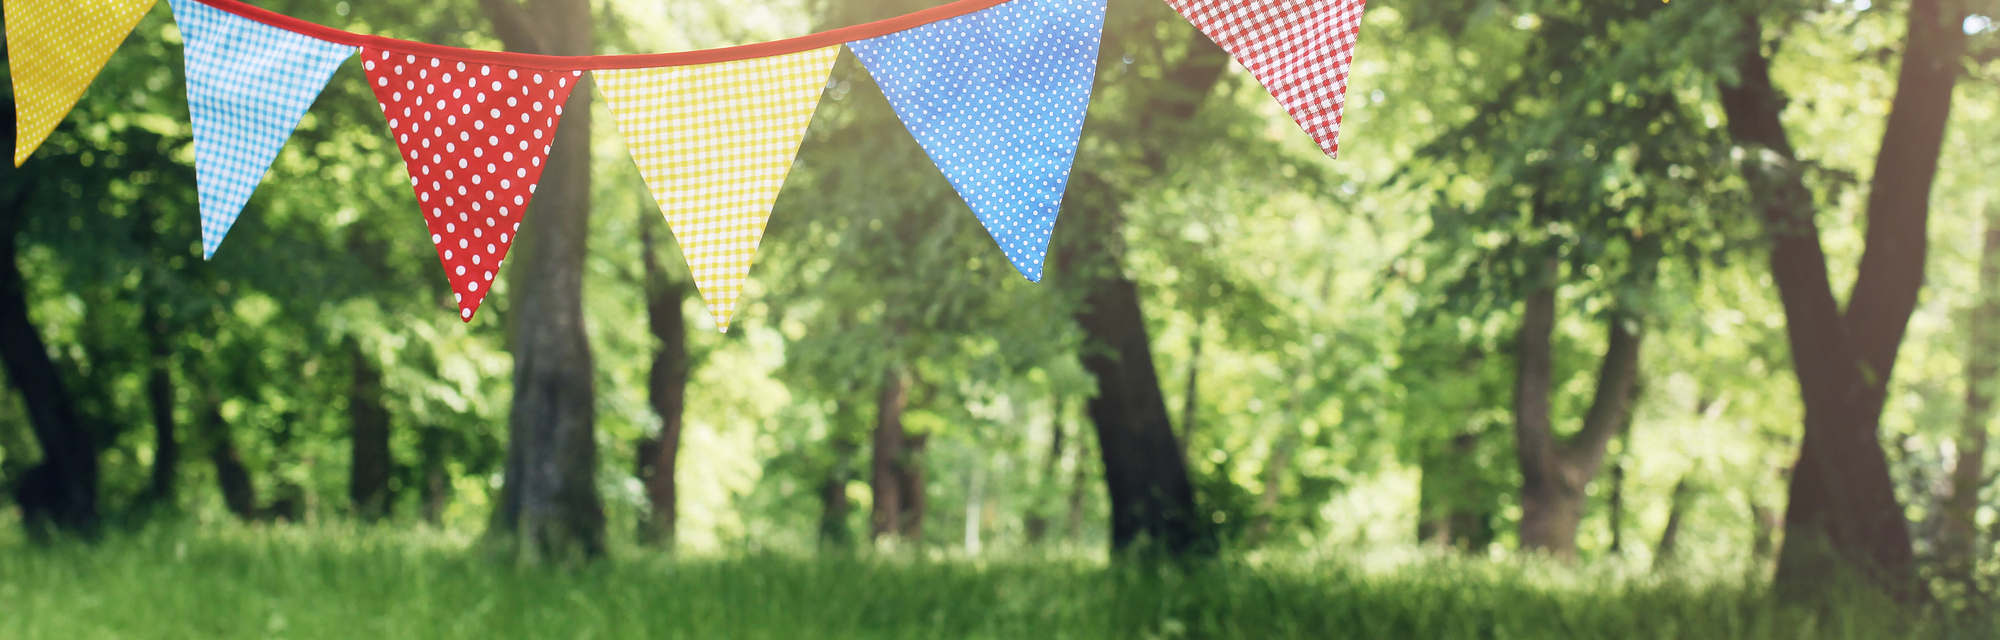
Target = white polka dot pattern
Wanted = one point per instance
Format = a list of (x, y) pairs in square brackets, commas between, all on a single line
[(1299, 49), (714, 143), (248, 84), (54, 49), (474, 137), (997, 98)]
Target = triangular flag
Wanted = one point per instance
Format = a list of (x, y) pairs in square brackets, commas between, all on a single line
[(54, 49), (997, 98), (248, 84), (1300, 50), (714, 142), (474, 137)]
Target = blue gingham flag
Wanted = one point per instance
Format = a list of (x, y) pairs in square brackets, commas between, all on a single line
[(248, 84), (996, 98)]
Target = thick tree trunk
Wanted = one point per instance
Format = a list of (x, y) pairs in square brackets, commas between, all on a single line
[(160, 398), (667, 390), (1843, 509), (1555, 472), (1959, 534), (369, 462), (1152, 500), (890, 457), (59, 492), (549, 505)]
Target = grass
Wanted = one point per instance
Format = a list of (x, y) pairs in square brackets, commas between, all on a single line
[(317, 582)]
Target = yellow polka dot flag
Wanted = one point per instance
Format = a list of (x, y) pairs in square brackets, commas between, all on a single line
[(55, 48), (714, 143)]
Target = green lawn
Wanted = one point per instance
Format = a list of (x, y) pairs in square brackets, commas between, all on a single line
[(303, 582)]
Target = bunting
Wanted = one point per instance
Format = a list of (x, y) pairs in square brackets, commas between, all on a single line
[(1299, 49), (247, 85), (474, 137), (54, 49), (714, 143), (994, 91), (997, 99)]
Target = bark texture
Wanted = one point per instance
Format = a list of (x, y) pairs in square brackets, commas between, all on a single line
[(549, 507), (1556, 471), (666, 387), (1842, 513)]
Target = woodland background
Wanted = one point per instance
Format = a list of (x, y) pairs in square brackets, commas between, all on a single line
[(1549, 338)]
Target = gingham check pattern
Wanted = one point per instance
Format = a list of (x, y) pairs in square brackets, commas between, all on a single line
[(714, 143), (997, 99), (54, 49), (248, 84), (1299, 49)]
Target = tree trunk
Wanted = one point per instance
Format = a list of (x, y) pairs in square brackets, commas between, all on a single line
[(549, 506), (1555, 473), (1456, 513), (1037, 522), (369, 462), (160, 398), (60, 492), (1843, 509), (1663, 555), (915, 499), (239, 494), (1079, 482), (667, 389), (436, 478), (1152, 499), (1959, 534), (1617, 507), (885, 477), (834, 505)]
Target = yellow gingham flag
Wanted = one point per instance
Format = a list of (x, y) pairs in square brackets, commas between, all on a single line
[(714, 142), (55, 48)]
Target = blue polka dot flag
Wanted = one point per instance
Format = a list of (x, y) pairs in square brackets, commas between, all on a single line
[(997, 98), (248, 84)]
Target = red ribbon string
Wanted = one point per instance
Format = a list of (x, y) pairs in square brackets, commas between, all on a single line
[(640, 61)]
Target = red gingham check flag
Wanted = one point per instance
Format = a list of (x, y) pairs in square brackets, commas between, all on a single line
[(1299, 49)]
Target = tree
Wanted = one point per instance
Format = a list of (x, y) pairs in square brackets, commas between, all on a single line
[(549, 501), (60, 491), (1959, 537), (1843, 510), (666, 388)]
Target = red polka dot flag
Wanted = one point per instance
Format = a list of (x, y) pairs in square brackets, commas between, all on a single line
[(474, 137)]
